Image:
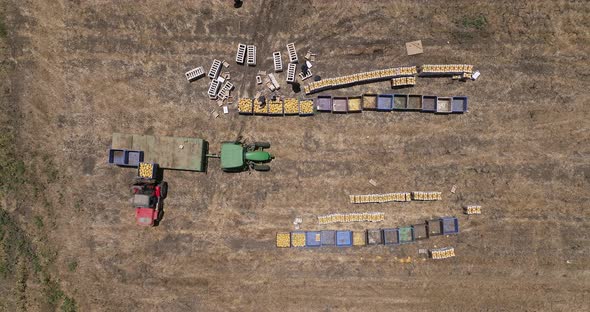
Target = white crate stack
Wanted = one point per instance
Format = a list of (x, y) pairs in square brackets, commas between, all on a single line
[(213, 89), (227, 87), (291, 68), (195, 74), (251, 57), (215, 69), (278, 61), (292, 53), (241, 54)]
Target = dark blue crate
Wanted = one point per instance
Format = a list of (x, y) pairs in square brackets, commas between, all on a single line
[(117, 156), (450, 225), (328, 238), (459, 104), (343, 238), (313, 239), (385, 102), (391, 236)]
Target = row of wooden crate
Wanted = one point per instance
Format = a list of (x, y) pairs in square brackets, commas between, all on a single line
[(348, 80), (351, 217), (395, 197), (388, 236), (442, 253), (457, 71), (357, 104)]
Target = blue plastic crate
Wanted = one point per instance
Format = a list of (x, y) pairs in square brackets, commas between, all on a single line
[(328, 238), (134, 158), (313, 239), (117, 156), (343, 238), (391, 236), (450, 225), (385, 102)]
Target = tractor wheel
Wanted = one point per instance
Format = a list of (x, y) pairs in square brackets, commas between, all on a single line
[(163, 189), (262, 144), (261, 167)]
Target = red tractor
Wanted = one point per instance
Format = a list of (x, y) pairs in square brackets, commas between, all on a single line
[(148, 195)]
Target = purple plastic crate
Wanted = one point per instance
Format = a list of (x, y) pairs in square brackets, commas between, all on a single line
[(324, 103), (339, 105), (450, 225), (385, 102)]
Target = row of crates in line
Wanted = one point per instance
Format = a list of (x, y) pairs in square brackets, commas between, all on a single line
[(395, 197), (387, 236), (456, 71), (358, 104)]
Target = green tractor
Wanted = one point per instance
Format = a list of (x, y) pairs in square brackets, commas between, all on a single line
[(237, 156)]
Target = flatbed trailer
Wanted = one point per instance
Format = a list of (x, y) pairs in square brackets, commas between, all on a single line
[(178, 153)]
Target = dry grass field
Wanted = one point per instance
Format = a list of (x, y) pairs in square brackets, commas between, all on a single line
[(74, 71)]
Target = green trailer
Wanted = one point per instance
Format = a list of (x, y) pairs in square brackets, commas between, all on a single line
[(191, 154), (178, 153)]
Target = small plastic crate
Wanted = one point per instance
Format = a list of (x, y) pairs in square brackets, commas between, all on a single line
[(313, 239), (134, 158), (306, 107), (354, 104), (406, 235), (343, 238), (391, 236), (450, 225), (443, 105), (414, 102), (328, 238), (374, 237)]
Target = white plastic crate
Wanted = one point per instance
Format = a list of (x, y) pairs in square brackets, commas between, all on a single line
[(215, 69), (274, 81), (292, 53), (195, 74), (251, 58), (309, 74), (213, 89), (241, 53), (291, 68), (278, 61), (224, 92)]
